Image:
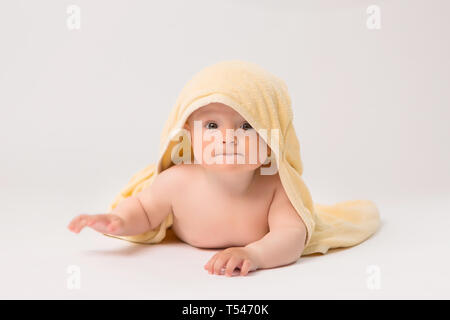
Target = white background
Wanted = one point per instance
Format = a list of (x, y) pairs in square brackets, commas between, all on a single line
[(82, 110)]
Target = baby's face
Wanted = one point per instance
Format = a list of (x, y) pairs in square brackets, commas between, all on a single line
[(241, 149)]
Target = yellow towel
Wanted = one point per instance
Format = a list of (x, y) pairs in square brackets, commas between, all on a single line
[(263, 100)]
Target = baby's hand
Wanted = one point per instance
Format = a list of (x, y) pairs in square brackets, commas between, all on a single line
[(231, 258), (104, 223)]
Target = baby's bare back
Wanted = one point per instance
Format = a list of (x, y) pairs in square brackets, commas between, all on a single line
[(207, 217)]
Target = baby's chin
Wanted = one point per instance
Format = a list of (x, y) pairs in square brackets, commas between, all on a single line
[(234, 167), (230, 164)]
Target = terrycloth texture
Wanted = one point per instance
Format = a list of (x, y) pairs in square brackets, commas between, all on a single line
[(263, 100)]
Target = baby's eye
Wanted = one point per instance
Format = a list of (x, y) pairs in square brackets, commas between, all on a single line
[(211, 125), (246, 126)]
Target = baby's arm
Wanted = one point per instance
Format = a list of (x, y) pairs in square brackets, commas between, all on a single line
[(285, 241), (283, 244), (136, 214)]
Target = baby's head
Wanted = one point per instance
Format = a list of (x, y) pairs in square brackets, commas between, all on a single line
[(223, 140)]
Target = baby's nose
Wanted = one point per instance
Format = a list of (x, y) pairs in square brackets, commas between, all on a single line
[(230, 138)]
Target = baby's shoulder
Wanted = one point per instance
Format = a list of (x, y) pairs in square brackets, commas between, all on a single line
[(170, 180), (177, 174)]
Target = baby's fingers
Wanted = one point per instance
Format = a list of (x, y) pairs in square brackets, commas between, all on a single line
[(104, 223), (220, 263), (78, 223), (99, 222), (211, 261), (231, 265), (245, 267)]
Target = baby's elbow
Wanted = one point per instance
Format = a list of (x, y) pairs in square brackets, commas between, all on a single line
[(299, 234), (299, 238)]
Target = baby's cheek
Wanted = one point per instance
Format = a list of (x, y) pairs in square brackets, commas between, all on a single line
[(207, 151), (198, 145), (256, 152)]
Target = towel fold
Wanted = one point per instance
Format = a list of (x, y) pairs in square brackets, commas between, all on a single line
[(263, 100)]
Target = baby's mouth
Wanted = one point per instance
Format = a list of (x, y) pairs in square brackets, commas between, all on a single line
[(228, 154)]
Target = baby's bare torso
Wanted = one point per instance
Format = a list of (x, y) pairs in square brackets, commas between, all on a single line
[(208, 218)]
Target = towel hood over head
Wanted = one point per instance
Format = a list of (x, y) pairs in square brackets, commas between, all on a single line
[(263, 100)]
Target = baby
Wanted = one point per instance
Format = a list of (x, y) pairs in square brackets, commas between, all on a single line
[(221, 200)]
